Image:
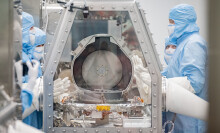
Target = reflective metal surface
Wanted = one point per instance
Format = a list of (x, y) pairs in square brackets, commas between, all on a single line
[(6, 47), (10, 53)]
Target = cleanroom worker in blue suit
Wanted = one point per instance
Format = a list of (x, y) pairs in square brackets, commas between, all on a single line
[(33, 47), (170, 48), (188, 60), (26, 93), (36, 53)]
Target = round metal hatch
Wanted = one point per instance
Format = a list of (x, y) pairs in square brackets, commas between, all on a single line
[(102, 70), (101, 66)]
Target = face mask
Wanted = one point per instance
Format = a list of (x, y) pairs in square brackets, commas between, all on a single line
[(168, 54), (32, 36), (170, 51), (171, 28), (38, 53)]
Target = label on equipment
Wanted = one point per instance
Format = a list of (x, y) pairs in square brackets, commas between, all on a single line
[(103, 108)]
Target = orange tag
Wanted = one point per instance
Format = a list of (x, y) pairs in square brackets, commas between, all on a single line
[(103, 108)]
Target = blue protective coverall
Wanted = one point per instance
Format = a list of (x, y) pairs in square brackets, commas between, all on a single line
[(27, 23), (188, 60), (36, 118)]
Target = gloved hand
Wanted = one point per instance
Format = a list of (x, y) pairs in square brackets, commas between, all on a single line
[(33, 69), (38, 88), (143, 79), (87, 96), (60, 88), (138, 65), (32, 74), (183, 82)]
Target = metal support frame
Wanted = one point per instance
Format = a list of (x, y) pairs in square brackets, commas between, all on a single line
[(148, 50), (59, 43)]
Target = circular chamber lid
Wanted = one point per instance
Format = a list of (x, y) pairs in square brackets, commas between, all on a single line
[(102, 70), (102, 66)]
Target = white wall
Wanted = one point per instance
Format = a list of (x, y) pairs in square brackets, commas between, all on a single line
[(157, 15)]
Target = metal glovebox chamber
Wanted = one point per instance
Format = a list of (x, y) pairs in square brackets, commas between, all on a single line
[(94, 45)]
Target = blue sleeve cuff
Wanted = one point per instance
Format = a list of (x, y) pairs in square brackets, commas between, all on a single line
[(26, 99)]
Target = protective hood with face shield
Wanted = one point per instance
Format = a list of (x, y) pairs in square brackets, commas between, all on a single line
[(185, 18), (168, 52), (37, 38), (27, 23), (36, 52)]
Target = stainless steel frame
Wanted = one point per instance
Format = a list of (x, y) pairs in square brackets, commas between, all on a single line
[(10, 52), (147, 47)]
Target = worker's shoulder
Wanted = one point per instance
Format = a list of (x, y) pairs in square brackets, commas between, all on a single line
[(195, 40)]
